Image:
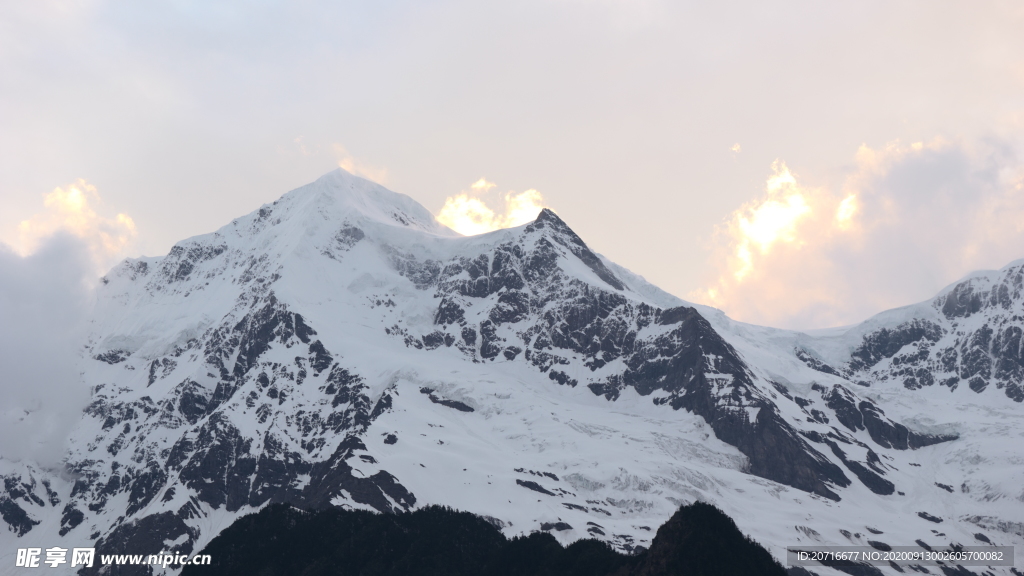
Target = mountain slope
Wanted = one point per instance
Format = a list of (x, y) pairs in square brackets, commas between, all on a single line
[(339, 347)]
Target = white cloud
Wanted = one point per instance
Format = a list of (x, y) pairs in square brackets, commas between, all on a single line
[(482, 185), (470, 213), (72, 209), (906, 220)]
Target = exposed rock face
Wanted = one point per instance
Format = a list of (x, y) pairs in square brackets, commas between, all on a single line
[(12, 512), (702, 373), (214, 461), (530, 300), (858, 414), (974, 340)]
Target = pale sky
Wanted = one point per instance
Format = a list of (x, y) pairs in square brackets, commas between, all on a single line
[(799, 164)]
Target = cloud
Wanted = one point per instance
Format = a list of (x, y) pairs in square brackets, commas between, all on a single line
[(470, 213), (773, 219), (904, 221), (44, 302), (72, 209), (482, 185), (46, 294), (350, 164)]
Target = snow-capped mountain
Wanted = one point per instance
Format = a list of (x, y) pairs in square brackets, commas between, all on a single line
[(339, 347)]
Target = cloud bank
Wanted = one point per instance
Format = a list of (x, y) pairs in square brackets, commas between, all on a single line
[(902, 222), (470, 213), (46, 293), (44, 301)]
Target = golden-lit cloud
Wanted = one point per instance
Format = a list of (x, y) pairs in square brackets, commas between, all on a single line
[(846, 211), (352, 165), (906, 220), (482, 185), (470, 213), (467, 216), (301, 146), (73, 210), (736, 148), (760, 224)]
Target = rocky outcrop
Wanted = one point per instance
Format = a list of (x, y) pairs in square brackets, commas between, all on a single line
[(856, 414), (976, 342)]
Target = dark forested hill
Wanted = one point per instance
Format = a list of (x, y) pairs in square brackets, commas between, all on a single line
[(434, 541)]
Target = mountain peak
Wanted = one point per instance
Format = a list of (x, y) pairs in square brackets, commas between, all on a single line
[(547, 217), (547, 214), (565, 236), (340, 195)]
